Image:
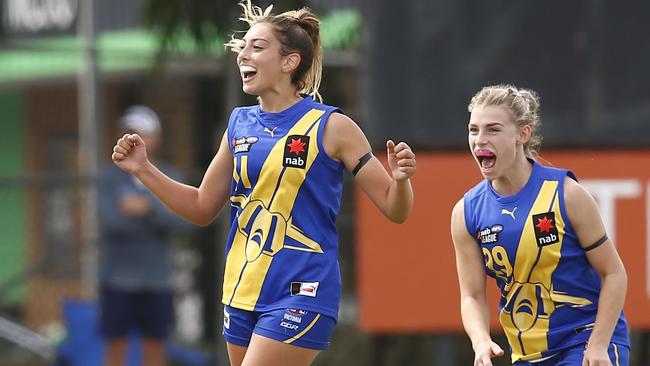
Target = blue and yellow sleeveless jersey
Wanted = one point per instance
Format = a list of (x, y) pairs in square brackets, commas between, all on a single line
[(286, 193), (549, 290)]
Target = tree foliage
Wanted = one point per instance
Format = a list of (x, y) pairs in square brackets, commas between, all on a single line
[(204, 19)]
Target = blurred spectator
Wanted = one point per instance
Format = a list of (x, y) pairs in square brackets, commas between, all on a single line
[(135, 268)]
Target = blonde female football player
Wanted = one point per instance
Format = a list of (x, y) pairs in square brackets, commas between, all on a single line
[(280, 168), (538, 232)]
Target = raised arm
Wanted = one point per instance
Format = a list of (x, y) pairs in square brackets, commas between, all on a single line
[(391, 193), (588, 225), (197, 205), (473, 298)]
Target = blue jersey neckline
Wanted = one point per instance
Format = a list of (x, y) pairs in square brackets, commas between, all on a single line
[(522, 192), (288, 114)]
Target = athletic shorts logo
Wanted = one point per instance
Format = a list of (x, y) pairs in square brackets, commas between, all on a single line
[(304, 288), (293, 317), (296, 151), (226, 319), (296, 311), (545, 229), (243, 144), (289, 325)]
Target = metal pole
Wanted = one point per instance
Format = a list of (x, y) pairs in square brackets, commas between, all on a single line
[(233, 98), (89, 144), (233, 94)]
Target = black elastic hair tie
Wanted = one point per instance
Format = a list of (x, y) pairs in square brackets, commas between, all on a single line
[(598, 243), (362, 161)]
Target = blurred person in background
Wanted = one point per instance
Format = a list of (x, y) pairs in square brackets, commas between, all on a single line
[(539, 233), (280, 168), (135, 266)]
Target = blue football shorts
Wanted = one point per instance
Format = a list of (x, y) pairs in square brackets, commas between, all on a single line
[(297, 327), (619, 355)]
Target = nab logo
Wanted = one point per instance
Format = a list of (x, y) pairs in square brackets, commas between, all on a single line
[(489, 234), (243, 144), (545, 229), (295, 151)]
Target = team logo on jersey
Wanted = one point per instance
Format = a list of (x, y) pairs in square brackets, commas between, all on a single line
[(509, 213), (304, 288), (243, 144), (489, 234), (271, 131), (545, 229), (295, 151)]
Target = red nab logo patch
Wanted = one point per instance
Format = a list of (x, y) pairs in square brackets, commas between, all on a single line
[(296, 150), (545, 229)]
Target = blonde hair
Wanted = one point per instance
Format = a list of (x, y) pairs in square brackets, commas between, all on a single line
[(298, 32), (522, 103)]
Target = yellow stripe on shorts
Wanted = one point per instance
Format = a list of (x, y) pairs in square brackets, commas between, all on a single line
[(292, 339)]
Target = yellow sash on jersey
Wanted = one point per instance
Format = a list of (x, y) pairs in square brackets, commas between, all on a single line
[(530, 298), (265, 218)]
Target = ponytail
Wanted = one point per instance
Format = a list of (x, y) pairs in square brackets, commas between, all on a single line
[(298, 32)]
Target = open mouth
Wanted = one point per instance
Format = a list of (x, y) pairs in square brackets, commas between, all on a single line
[(247, 72), (486, 158)]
